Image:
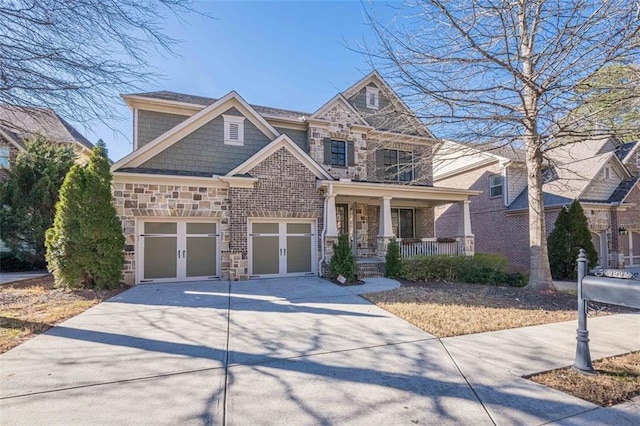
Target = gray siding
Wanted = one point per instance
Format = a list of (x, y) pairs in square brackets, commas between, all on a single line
[(298, 136), (152, 124), (386, 117), (204, 151)]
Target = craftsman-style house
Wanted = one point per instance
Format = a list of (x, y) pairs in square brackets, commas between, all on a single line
[(220, 188)]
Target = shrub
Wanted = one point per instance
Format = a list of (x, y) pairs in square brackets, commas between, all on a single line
[(393, 265), (480, 269), (343, 262), (9, 262), (85, 245), (569, 235)]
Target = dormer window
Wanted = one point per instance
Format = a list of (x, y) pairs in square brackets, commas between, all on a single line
[(496, 183), (233, 130), (373, 97), (638, 159), (607, 172)]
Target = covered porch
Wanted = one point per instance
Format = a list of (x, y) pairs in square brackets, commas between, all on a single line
[(373, 214)]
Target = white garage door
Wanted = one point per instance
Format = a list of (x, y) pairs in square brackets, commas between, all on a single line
[(281, 248), (178, 250)]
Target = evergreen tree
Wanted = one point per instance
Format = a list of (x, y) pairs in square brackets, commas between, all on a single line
[(393, 266), (28, 197), (559, 244), (343, 262), (85, 245), (570, 234)]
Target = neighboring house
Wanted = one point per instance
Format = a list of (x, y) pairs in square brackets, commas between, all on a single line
[(601, 173), (17, 124), (218, 188)]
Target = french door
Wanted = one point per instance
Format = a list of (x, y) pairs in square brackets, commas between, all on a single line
[(178, 250), (278, 248)]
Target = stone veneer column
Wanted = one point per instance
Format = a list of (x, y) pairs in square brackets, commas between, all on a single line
[(464, 229)]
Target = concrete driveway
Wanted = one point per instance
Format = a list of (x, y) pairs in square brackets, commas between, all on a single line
[(285, 351)]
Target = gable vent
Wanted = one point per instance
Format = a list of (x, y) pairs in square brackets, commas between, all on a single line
[(233, 130)]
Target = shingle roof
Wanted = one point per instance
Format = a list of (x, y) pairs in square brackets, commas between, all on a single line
[(23, 122), (623, 150), (163, 172), (622, 190), (550, 200), (204, 101)]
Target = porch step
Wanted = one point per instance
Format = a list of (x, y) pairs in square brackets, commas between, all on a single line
[(370, 268)]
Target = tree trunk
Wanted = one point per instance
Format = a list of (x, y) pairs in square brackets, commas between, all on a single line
[(540, 271)]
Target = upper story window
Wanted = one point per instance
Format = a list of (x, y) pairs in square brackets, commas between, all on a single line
[(496, 186), (398, 165), (233, 130), (5, 157), (338, 153), (638, 159), (607, 172), (373, 97)]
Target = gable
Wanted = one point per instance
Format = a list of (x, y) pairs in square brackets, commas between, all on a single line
[(282, 142), (601, 187), (204, 151), (340, 108), (192, 124), (392, 114)]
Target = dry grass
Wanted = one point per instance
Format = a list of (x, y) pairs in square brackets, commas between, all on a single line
[(31, 307), (617, 380), (446, 310)]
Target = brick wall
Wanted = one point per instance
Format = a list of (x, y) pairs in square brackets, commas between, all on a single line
[(285, 188)]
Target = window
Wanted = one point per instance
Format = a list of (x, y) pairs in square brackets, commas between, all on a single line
[(233, 130), (607, 172), (495, 186), (338, 153), (373, 97), (638, 159), (403, 223), (342, 218), (5, 156), (398, 165)]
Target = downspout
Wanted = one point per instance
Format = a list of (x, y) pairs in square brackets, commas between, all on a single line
[(324, 229)]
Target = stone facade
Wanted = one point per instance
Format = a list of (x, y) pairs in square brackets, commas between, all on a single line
[(136, 202)]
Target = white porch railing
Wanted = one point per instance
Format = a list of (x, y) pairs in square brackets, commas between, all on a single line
[(429, 247)]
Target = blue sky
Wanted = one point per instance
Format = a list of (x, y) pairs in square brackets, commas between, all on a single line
[(283, 54)]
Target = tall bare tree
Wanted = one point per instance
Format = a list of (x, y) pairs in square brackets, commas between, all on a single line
[(500, 73), (77, 56)]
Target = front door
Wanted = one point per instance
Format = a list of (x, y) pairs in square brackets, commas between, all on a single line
[(178, 250), (278, 248)]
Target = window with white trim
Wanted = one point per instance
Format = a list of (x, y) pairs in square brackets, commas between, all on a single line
[(373, 97), (607, 172), (5, 157), (496, 186), (233, 130)]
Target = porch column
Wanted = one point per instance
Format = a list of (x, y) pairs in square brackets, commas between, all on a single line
[(332, 222), (464, 229), (385, 229)]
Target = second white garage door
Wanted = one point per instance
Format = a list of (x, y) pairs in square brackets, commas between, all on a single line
[(281, 248)]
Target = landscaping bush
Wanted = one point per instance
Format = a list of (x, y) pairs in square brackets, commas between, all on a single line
[(85, 245), (393, 265), (569, 235), (343, 262), (480, 269)]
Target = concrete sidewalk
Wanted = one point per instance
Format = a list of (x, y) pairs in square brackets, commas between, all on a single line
[(291, 351)]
